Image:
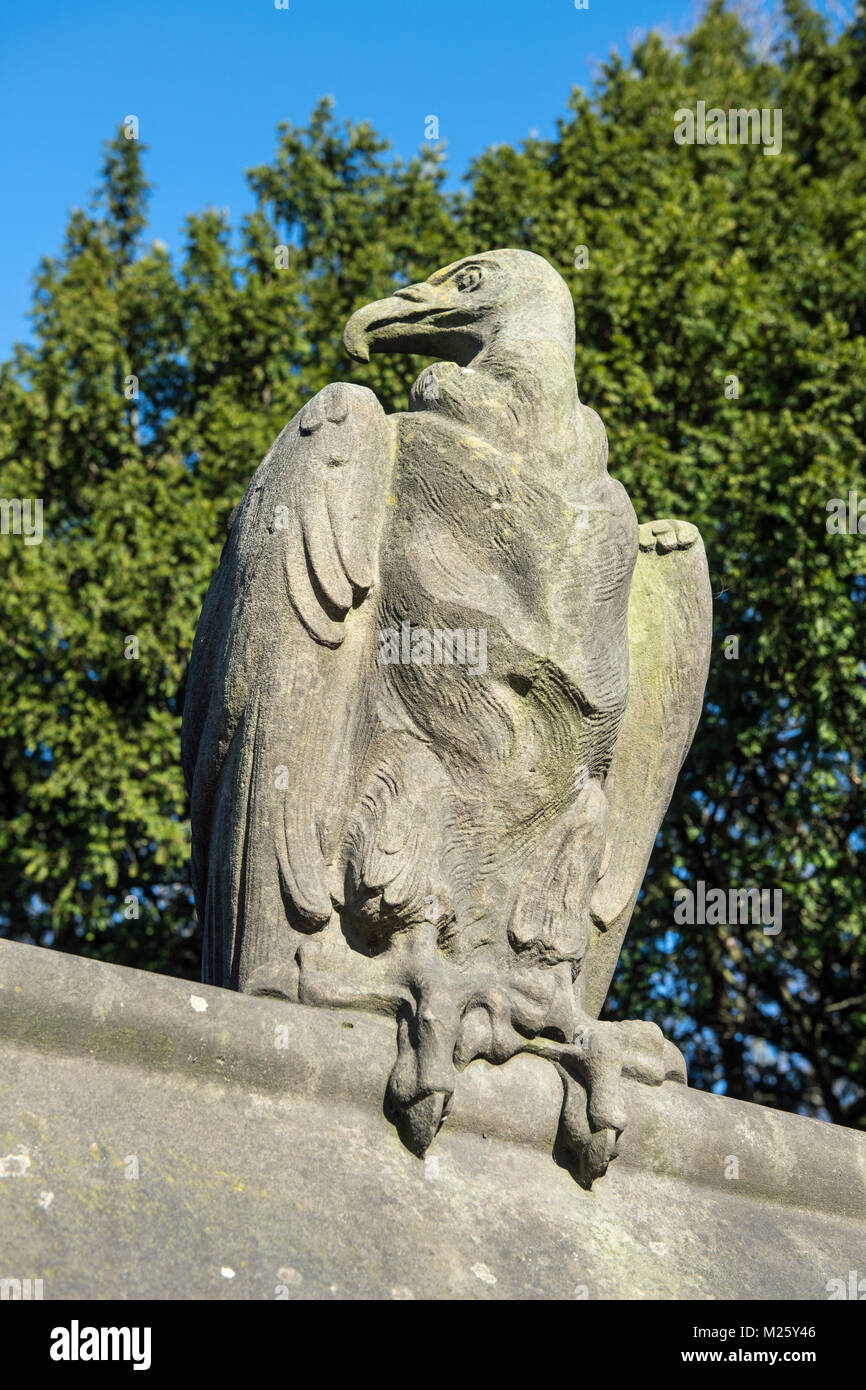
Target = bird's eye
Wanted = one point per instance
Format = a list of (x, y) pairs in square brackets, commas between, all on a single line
[(470, 278)]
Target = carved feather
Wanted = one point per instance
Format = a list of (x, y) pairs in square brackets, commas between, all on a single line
[(265, 727)]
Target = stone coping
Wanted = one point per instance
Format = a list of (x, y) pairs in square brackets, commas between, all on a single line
[(52, 1002)]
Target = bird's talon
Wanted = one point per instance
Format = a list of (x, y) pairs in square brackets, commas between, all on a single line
[(667, 535)]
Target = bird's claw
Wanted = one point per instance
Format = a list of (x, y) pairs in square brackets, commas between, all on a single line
[(666, 535), (592, 1068)]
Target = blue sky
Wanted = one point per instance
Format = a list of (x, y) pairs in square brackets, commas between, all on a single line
[(210, 80)]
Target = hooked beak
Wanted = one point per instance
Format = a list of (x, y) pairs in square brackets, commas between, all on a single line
[(421, 318)]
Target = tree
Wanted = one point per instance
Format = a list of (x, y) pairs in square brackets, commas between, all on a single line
[(719, 296)]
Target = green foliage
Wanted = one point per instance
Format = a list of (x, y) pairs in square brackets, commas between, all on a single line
[(705, 262)]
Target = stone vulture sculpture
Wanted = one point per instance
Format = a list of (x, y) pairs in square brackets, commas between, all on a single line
[(440, 692)]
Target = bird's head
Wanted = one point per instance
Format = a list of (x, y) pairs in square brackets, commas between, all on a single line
[(464, 307)]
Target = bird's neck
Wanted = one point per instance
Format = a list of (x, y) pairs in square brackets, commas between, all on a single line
[(534, 374)]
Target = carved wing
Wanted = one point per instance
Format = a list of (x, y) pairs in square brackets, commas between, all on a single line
[(670, 633), (273, 695)]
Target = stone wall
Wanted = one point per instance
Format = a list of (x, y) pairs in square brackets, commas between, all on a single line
[(160, 1139)]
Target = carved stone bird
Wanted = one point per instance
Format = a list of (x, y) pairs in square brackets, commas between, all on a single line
[(440, 692)]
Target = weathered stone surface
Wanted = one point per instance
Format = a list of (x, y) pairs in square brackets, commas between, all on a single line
[(270, 1171), (441, 690)]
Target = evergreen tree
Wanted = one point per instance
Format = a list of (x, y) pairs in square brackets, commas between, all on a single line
[(721, 327)]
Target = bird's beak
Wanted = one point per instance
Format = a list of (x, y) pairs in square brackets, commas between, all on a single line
[(423, 318)]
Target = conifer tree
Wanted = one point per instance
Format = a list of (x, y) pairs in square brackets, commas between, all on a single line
[(720, 298)]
